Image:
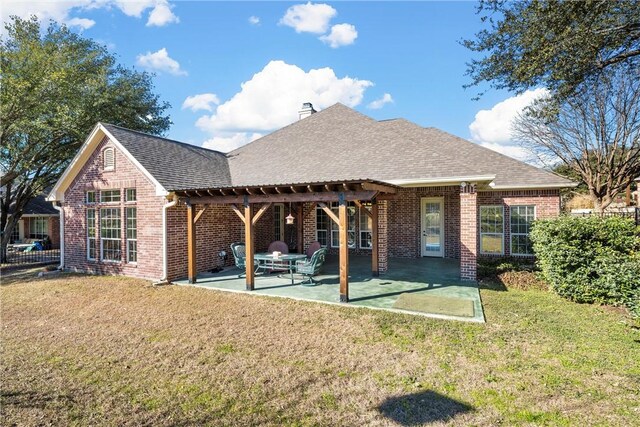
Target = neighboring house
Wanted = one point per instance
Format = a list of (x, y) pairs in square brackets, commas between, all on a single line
[(150, 207), (40, 221)]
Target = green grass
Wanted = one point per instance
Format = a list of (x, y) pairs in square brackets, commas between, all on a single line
[(83, 350)]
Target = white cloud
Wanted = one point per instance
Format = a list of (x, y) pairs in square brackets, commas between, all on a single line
[(82, 23), (340, 35), (160, 61), (379, 103), (492, 128), (254, 20), (162, 15), (203, 101), (273, 96), (230, 142), (62, 11), (309, 18)]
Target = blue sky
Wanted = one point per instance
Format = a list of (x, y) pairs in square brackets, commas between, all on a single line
[(233, 71)]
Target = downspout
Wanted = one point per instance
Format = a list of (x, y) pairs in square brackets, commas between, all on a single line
[(59, 209), (165, 257)]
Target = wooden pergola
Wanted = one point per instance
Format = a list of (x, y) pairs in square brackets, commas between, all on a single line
[(251, 202)]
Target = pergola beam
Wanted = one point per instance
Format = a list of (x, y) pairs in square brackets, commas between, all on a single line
[(344, 252), (260, 212), (286, 198), (249, 243), (330, 213), (238, 212)]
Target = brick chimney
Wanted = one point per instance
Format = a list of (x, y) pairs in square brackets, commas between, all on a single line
[(306, 111)]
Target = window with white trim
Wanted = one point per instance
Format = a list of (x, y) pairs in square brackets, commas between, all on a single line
[(38, 227), (90, 197), (366, 225), (130, 195), (15, 234), (110, 234), (351, 226), (278, 221), (92, 242), (492, 230), (521, 218), (322, 227), (110, 196), (132, 235), (109, 159)]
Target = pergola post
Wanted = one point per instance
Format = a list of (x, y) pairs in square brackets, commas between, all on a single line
[(249, 242), (374, 239), (191, 243), (344, 249)]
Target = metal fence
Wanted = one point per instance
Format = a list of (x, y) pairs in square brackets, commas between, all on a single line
[(15, 257), (628, 213)]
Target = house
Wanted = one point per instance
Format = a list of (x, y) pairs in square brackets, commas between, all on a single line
[(40, 221), (150, 207)]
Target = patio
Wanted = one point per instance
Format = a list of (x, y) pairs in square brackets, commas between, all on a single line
[(425, 276)]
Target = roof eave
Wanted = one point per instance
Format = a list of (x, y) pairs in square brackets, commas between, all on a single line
[(533, 186), (432, 182)]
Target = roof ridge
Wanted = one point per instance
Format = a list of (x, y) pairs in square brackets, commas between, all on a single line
[(314, 115), (186, 144)]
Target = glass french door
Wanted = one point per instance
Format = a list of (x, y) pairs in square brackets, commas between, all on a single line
[(432, 240)]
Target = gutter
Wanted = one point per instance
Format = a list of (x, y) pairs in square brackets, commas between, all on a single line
[(533, 186), (425, 182), (165, 257), (59, 209)]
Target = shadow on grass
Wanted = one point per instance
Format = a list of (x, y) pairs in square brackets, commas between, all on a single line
[(32, 399), (422, 408)]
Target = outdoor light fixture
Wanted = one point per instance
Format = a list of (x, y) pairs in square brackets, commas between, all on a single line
[(289, 218)]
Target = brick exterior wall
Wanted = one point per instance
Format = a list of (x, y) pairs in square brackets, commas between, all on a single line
[(217, 228), (92, 177), (468, 232), (546, 202), (405, 222)]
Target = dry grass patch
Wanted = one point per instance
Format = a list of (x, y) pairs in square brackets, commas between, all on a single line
[(106, 350)]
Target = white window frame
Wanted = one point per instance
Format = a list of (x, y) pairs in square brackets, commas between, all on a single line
[(106, 165), (511, 234), (111, 191), (335, 231), (110, 239), (86, 197), (41, 224), (126, 195), (326, 231), (491, 234), (362, 214), (95, 234), (278, 221), (131, 239)]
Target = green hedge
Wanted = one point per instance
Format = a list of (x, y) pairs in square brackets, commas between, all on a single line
[(590, 260)]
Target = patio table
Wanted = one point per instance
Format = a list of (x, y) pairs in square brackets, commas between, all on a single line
[(266, 261)]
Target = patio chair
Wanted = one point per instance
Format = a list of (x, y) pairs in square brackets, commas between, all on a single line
[(311, 267), (239, 255), (313, 247)]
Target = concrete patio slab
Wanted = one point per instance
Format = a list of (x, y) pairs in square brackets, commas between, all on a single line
[(434, 276)]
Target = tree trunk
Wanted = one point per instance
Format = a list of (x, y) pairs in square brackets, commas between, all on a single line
[(12, 222)]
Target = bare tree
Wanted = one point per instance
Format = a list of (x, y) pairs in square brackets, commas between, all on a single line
[(596, 133)]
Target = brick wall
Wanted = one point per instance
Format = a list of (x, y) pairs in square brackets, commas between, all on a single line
[(405, 221), (149, 214), (468, 232), (54, 231), (546, 202), (217, 228)]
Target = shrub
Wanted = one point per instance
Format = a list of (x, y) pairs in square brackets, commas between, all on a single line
[(590, 260)]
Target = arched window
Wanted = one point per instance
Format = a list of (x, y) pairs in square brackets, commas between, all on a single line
[(109, 159)]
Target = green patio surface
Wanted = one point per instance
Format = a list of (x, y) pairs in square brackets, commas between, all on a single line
[(436, 276)]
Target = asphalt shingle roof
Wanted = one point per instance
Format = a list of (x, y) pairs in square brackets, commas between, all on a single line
[(335, 144), (340, 143), (175, 165), (40, 206)]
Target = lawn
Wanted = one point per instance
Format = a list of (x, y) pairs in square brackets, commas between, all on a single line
[(80, 350)]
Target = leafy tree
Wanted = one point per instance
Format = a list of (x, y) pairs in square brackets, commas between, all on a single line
[(54, 87), (553, 43), (595, 132)]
